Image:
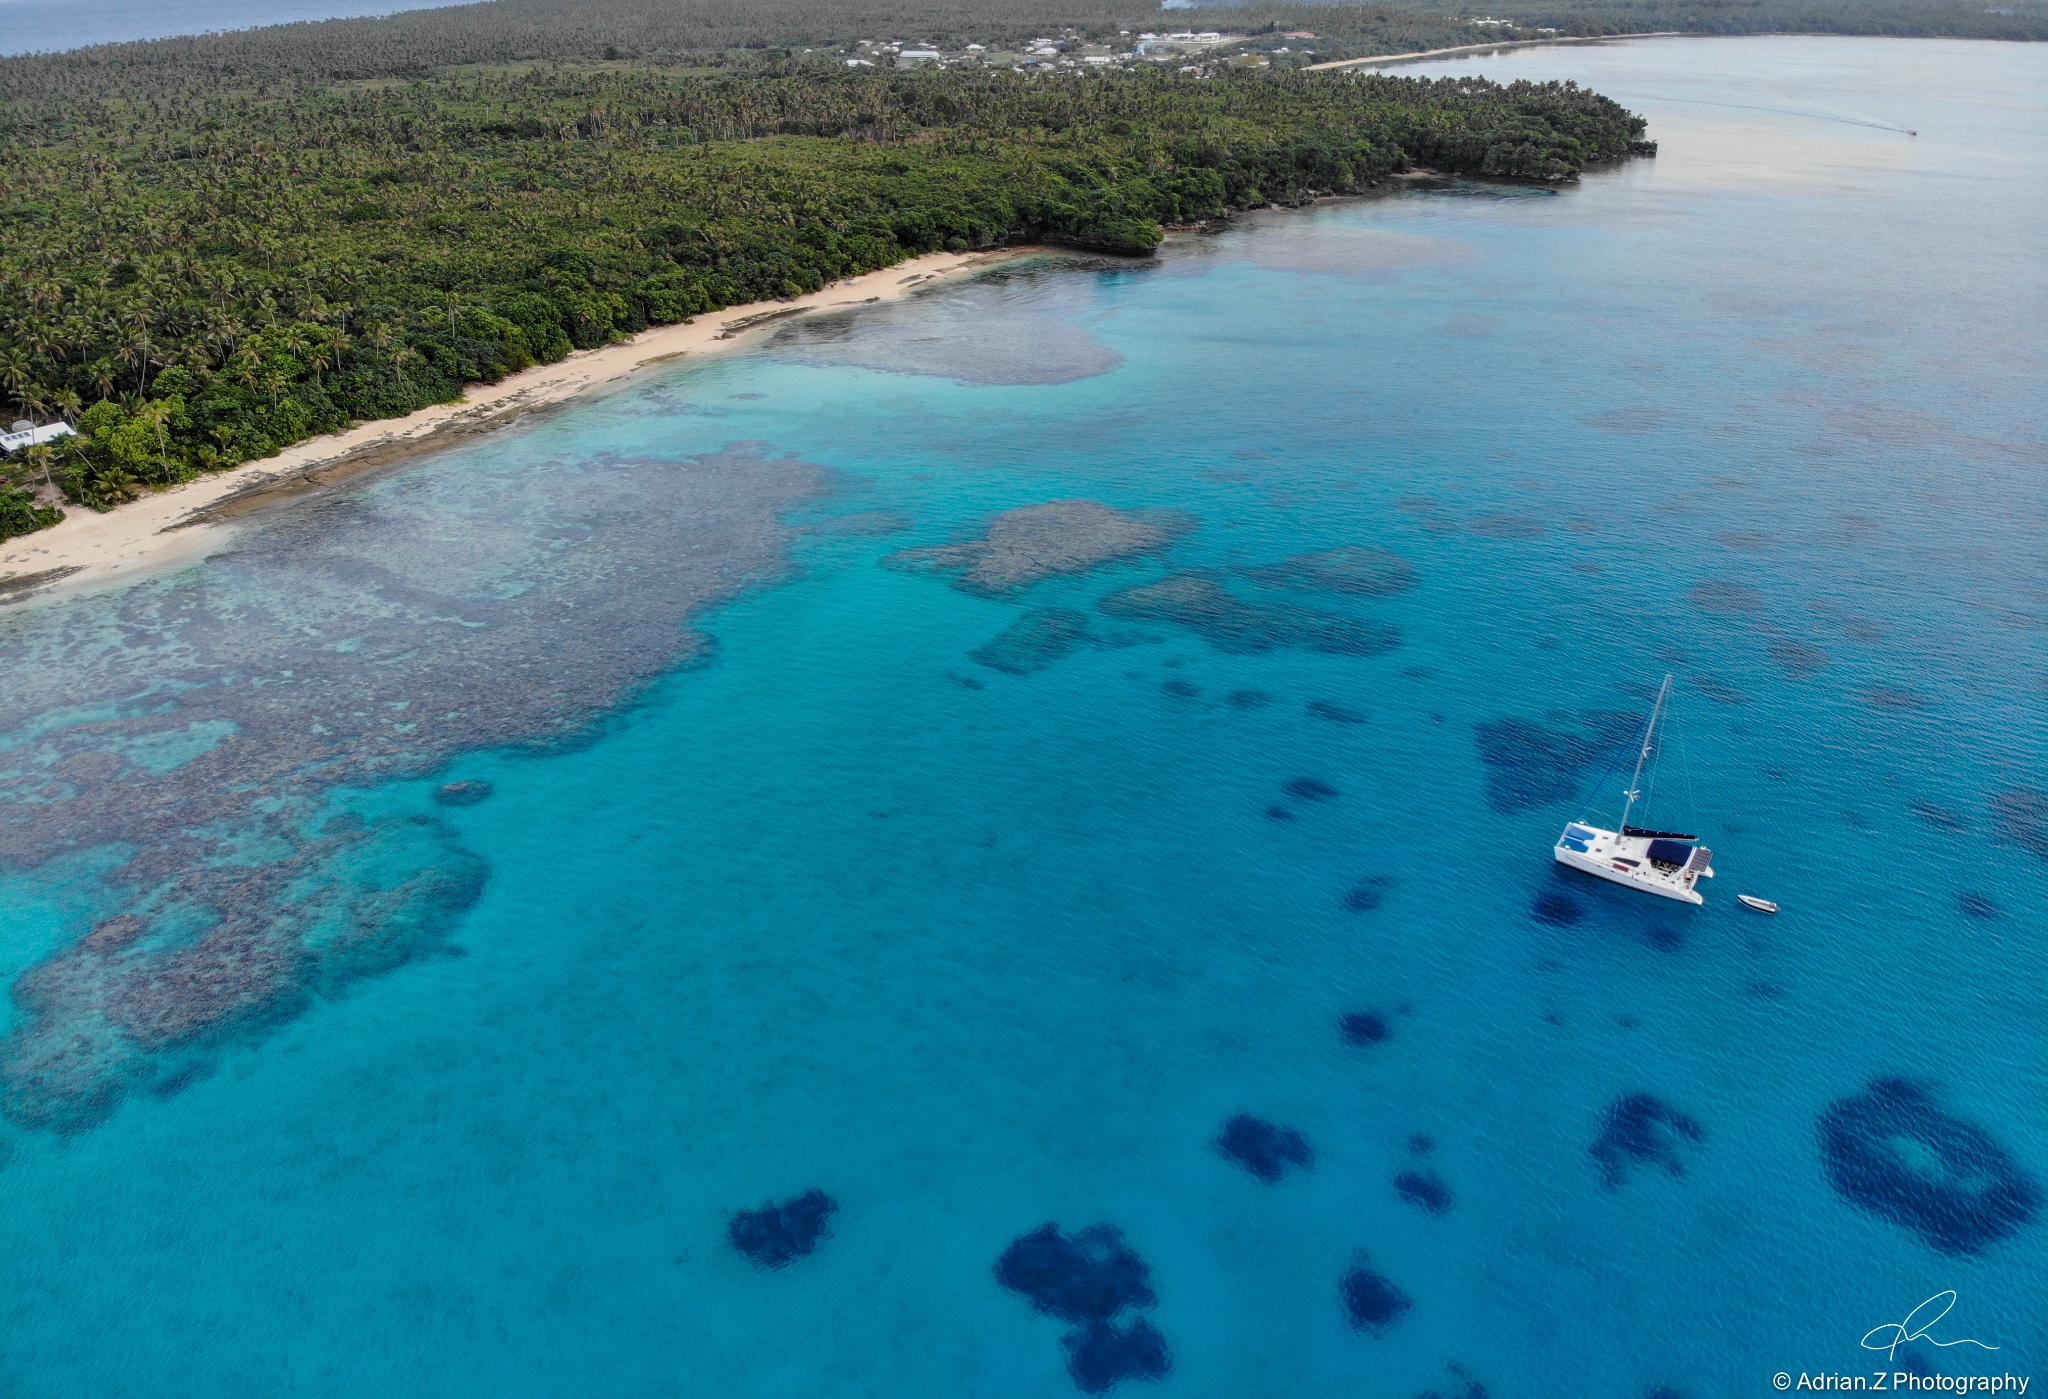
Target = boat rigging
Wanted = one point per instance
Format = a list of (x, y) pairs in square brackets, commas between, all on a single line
[(1665, 863)]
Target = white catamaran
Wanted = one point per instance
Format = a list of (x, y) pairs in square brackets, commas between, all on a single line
[(1664, 863)]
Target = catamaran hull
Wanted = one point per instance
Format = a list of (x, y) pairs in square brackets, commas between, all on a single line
[(1648, 884), (1647, 861)]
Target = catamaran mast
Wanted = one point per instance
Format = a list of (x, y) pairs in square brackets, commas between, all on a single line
[(1649, 736)]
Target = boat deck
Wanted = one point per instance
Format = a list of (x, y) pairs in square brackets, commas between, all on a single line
[(1625, 859)]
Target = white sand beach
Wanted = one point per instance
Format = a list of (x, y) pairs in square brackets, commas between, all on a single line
[(89, 549)]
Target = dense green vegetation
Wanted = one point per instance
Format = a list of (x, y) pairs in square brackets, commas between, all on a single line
[(201, 278), (20, 513)]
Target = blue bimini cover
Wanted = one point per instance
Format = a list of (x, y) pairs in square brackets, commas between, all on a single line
[(1669, 852)]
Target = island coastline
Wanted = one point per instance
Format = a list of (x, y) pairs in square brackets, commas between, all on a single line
[(1496, 47), (179, 524)]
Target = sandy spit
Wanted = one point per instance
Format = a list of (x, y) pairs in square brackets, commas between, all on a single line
[(186, 522), (1494, 47)]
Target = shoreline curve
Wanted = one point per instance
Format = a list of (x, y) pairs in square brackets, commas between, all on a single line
[(88, 550), (1497, 46)]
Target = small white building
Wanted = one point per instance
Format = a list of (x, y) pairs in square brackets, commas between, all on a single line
[(26, 434)]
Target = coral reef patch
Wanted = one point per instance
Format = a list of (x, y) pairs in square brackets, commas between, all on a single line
[(1032, 543), (1229, 623), (1423, 1189), (1893, 1151), (1039, 638), (1100, 1355), (1796, 658), (1368, 894), (1728, 598), (1087, 1279), (346, 641), (1264, 1148), (1090, 1275), (1371, 1301), (2021, 816), (1364, 1028), (1529, 765), (1639, 1130), (775, 1236)]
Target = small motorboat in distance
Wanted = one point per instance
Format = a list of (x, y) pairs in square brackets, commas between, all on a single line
[(1760, 905), (1664, 863)]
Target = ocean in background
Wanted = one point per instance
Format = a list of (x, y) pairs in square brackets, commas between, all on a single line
[(980, 910), (49, 26)]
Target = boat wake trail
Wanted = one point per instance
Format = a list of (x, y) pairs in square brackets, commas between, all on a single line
[(1795, 112)]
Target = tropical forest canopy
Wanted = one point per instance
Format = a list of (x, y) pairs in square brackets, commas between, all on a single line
[(211, 248)]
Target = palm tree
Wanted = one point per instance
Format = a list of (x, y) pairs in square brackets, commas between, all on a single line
[(156, 413), (139, 348), (41, 455), (15, 369)]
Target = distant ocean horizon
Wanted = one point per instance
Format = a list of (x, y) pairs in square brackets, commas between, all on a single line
[(998, 845), (51, 26)]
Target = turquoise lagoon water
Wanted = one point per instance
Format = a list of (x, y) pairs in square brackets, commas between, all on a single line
[(826, 903)]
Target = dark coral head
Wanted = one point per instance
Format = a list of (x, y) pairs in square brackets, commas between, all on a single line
[(1364, 1027), (1893, 1151), (1088, 1276), (1423, 1189), (1264, 1148), (1371, 1301), (1100, 1355), (1639, 1129), (775, 1236)]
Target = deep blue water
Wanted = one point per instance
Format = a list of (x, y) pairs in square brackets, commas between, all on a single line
[(829, 904)]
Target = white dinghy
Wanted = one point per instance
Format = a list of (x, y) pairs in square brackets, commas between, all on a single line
[(1664, 863)]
